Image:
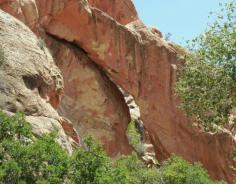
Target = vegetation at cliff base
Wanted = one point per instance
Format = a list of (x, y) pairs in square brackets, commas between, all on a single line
[(134, 138), (27, 160), (207, 84)]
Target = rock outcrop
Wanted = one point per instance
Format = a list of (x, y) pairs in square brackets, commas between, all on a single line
[(30, 82), (122, 11), (137, 59), (91, 101), (145, 149)]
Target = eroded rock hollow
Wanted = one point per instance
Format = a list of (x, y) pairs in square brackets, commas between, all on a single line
[(100, 45)]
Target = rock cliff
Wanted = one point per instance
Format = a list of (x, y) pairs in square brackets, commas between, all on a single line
[(101, 46), (30, 82)]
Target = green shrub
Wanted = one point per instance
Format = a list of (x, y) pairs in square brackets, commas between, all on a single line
[(10, 172), (23, 159), (90, 164), (217, 44), (135, 171), (135, 138), (43, 161), (175, 170), (12, 127), (207, 93), (207, 82)]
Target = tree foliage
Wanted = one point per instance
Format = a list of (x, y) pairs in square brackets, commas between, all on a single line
[(207, 84), (218, 44), (26, 160), (178, 171), (134, 138), (90, 165)]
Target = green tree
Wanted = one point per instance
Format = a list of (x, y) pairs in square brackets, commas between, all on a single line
[(29, 160), (135, 171), (87, 165), (217, 44), (175, 170), (207, 82), (26, 160), (10, 172), (90, 165), (134, 138), (14, 127)]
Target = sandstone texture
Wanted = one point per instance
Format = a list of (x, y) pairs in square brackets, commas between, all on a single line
[(122, 11), (104, 43), (91, 101), (30, 82)]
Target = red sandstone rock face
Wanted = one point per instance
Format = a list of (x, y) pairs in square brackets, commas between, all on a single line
[(144, 65), (26, 11), (29, 79), (123, 11), (91, 101)]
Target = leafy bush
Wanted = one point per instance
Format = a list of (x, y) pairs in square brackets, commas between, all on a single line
[(135, 138), (42, 161), (207, 84), (207, 93), (14, 127), (174, 170), (90, 164), (135, 171), (217, 44), (26, 160), (178, 171)]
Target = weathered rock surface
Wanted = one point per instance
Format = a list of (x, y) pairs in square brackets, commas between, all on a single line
[(29, 76), (91, 101), (30, 82), (122, 11), (43, 125), (143, 64), (146, 152)]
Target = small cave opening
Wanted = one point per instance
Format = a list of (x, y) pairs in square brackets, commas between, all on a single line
[(35, 83)]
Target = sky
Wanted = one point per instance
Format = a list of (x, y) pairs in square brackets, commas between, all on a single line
[(184, 19)]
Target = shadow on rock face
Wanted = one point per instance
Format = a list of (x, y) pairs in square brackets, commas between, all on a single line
[(29, 79), (28, 75)]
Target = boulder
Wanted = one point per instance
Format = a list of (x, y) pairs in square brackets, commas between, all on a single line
[(30, 82)]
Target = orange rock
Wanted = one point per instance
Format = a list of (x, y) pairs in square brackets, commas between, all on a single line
[(91, 101), (140, 61), (69, 130), (123, 11), (143, 64)]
